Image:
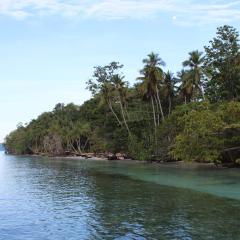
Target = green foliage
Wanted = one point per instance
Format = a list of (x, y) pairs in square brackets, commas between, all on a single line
[(17, 141), (199, 139), (230, 112), (138, 150), (222, 62), (201, 131)]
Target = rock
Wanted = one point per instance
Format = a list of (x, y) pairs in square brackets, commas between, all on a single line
[(112, 157), (231, 155), (90, 155), (120, 156), (67, 153)]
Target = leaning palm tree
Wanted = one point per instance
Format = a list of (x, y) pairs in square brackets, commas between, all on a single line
[(106, 94), (153, 76), (196, 71), (120, 88)]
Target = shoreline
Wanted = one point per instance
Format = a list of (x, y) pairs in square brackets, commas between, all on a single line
[(176, 164)]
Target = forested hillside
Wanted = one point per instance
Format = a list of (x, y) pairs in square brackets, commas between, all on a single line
[(193, 115)]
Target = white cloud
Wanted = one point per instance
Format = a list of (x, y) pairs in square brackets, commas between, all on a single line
[(184, 11), (129, 8), (25, 8)]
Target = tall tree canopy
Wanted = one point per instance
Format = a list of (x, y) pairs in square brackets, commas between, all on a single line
[(222, 64)]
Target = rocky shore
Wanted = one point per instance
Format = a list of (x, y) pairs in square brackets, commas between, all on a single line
[(102, 156)]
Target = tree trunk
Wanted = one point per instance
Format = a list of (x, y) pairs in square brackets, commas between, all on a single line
[(84, 147), (155, 124), (160, 105), (73, 148), (111, 108), (154, 113), (79, 145), (125, 107), (202, 92), (169, 105), (123, 116), (157, 112)]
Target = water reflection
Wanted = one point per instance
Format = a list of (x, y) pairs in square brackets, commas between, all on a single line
[(60, 199)]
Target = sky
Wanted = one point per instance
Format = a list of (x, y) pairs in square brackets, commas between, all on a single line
[(48, 47)]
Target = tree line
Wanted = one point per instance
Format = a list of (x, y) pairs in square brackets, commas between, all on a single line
[(193, 115)]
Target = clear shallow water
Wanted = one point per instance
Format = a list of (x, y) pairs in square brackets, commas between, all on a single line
[(50, 199)]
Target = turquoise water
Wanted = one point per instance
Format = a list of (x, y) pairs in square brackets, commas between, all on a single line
[(50, 199)]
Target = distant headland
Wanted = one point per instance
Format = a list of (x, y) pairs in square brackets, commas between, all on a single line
[(1, 147)]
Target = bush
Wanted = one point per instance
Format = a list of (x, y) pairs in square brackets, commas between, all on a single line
[(200, 139), (138, 150)]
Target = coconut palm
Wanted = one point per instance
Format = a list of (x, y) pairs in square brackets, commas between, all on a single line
[(152, 78), (145, 90), (120, 88), (196, 71), (169, 88), (186, 87), (106, 95)]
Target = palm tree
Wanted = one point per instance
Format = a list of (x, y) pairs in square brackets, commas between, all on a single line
[(169, 84), (196, 71), (186, 87), (145, 88), (153, 77), (120, 87), (107, 90)]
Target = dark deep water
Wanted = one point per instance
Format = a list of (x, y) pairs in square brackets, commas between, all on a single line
[(56, 199)]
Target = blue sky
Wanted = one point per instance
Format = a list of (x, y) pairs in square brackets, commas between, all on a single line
[(48, 47)]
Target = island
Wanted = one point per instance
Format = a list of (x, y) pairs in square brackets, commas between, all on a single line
[(191, 116)]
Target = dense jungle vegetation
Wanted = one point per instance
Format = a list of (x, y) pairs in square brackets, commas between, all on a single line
[(193, 115)]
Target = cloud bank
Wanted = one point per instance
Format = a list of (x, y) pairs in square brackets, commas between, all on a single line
[(181, 11)]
